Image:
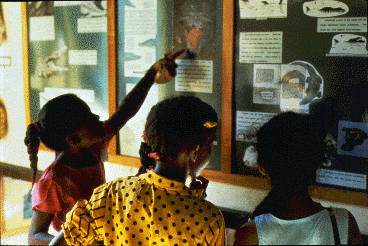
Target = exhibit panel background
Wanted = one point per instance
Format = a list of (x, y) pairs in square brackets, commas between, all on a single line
[(68, 53), (146, 33), (261, 64), (280, 53), (241, 196)]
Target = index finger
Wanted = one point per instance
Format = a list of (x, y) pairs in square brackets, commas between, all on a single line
[(177, 54)]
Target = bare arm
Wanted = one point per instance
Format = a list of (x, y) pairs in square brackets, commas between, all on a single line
[(354, 234), (59, 239), (159, 72), (38, 231)]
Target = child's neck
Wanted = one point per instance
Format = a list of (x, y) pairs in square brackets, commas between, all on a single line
[(173, 173), (79, 160), (299, 206)]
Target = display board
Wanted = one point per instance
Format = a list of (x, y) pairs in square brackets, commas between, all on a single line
[(307, 57), (249, 59), (148, 30), (68, 53)]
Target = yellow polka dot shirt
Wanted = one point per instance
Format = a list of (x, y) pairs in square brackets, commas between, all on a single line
[(145, 210)]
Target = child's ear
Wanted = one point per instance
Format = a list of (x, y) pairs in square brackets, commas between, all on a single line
[(72, 138), (193, 153)]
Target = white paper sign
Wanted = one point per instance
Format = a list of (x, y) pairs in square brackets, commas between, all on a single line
[(260, 47), (92, 25), (352, 180), (347, 24), (248, 123), (42, 28), (82, 57), (194, 76)]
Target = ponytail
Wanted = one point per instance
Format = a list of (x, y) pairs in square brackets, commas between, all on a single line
[(32, 141), (146, 161)]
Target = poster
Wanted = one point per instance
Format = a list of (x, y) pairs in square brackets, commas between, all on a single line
[(194, 28), (140, 30)]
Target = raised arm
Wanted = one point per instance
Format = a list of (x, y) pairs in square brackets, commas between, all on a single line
[(162, 71)]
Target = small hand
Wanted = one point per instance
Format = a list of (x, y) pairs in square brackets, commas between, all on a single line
[(199, 183), (166, 67)]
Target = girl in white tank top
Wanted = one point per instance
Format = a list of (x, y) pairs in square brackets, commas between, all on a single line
[(290, 150)]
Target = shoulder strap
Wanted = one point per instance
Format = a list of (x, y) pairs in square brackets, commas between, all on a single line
[(334, 226)]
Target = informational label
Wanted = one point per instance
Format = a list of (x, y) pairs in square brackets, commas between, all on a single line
[(5, 61), (248, 123), (142, 18), (140, 37), (82, 57), (194, 76), (92, 25), (42, 28), (263, 9), (260, 47), (67, 3), (346, 24), (351, 180)]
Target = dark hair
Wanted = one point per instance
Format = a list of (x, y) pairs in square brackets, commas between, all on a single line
[(290, 147), (146, 161), (57, 118), (174, 124)]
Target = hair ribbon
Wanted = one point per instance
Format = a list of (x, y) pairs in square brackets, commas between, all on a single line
[(154, 155), (210, 124)]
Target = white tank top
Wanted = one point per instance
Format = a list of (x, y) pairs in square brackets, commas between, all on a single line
[(312, 230)]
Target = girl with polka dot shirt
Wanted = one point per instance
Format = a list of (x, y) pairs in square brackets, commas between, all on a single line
[(157, 208)]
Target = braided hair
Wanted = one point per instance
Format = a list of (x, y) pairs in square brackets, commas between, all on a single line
[(291, 148), (57, 118), (174, 124)]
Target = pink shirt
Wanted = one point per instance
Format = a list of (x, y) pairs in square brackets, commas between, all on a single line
[(61, 186)]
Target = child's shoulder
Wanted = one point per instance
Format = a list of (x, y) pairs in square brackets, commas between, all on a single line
[(125, 182)]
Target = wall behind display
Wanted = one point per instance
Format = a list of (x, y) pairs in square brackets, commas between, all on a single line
[(13, 151), (11, 86)]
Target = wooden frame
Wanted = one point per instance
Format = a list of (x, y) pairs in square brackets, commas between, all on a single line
[(223, 176)]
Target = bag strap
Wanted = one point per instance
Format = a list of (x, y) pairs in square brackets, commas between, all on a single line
[(334, 226)]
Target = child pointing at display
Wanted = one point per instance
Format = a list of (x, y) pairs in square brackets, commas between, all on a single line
[(67, 126)]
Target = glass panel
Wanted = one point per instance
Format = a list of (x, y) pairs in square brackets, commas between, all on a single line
[(149, 29), (68, 52), (288, 59)]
